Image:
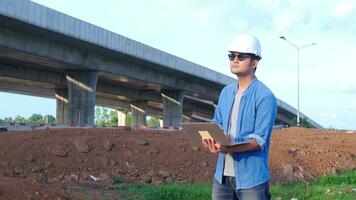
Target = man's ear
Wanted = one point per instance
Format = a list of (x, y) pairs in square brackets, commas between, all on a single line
[(254, 63)]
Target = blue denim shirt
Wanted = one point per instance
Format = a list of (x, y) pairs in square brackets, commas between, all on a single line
[(256, 116)]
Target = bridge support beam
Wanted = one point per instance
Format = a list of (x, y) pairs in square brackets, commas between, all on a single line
[(121, 117), (160, 123), (139, 110), (81, 95), (172, 107), (186, 119), (62, 110)]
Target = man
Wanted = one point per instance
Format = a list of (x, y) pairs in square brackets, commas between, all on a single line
[(246, 111)]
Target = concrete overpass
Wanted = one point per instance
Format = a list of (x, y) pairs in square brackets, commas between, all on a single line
[(46, 53)]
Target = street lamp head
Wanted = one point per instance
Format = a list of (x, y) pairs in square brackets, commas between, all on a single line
[(282, 37)]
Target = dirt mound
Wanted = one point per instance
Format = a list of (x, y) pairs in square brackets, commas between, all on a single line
[(17, 188), (46, 160), (311, 152)]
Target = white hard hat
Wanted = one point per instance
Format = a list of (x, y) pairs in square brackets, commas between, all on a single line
[(246, 44)]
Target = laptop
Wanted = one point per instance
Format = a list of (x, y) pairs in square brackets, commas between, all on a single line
[(203, 130)]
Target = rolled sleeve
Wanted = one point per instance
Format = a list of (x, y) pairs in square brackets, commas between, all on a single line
[(265, 117), (260, 140)]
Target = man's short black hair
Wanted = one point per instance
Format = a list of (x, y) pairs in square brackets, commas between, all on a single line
[(255, 57)]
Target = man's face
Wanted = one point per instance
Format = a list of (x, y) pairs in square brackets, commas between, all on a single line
[(242, 64)]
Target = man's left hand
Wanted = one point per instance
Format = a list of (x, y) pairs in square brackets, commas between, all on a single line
[(223, 149)]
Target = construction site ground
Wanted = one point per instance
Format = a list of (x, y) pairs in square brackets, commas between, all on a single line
[(72, 162)]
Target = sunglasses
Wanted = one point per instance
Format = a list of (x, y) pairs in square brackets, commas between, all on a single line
[(240, 56)]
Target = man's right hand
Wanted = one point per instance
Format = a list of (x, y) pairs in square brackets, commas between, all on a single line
[(210, 144)]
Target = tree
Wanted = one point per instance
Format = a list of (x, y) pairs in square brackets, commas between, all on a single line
[(153, 122), (49, 119), (128, 119), (35, 119), (20, 119), (102, 116), (8, 120), (98, 116), (108, 117), (113, 118), (331, 128), (303, 122)]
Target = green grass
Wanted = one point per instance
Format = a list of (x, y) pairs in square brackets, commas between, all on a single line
[(322, 188), (166, 191)]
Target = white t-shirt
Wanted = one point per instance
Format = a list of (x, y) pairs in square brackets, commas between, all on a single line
[(229, 161)]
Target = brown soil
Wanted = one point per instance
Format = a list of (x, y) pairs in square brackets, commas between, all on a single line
[(48, 164)]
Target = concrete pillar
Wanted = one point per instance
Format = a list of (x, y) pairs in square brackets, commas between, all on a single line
[(61, 95), (121, 117), (186, 119), (172, 107), (81, 96), (160, 123), (138, 109)]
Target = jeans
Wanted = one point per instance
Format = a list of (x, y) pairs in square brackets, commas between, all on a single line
[(227, 190)]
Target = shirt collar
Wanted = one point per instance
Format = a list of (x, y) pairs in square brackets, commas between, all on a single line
[(248, 88)]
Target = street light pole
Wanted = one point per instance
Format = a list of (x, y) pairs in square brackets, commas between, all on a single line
[(298, 112), (298, 61)]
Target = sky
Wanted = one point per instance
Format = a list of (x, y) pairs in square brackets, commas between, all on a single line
[(201, 30)]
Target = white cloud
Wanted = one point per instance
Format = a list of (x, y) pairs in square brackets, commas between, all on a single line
[(330, 77), (295, 3), (205, 13), (169, 8), (331, 115), (342, 9), (206, 16), (266, 5), (288, 19), (285, 20)]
